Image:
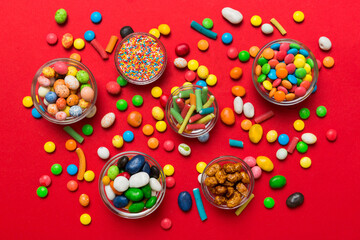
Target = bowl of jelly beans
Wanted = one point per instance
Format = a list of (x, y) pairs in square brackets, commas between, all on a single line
[(285, 72), (227, 182), (64, 91), (132, 184), (192, 111), (140, 58)]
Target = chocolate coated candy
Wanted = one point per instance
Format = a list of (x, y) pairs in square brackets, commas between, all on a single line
[(124, 31), (295, 200), (154, 172), (122, 162), (135, 164)]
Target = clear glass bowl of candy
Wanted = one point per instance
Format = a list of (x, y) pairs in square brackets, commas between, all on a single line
[(192, 111), (132, 184), (64, 91), (285, 72), (140, 58), (227, 182)]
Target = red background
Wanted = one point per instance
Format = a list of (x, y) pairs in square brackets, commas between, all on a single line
[(330, 186)]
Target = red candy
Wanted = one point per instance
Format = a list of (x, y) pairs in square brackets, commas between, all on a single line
[(331, 135), (264, 117), (289, 58), (170, 182), (284, 47), (113, 88), (182, 49), (305, 84), (180, 103), (166, 223), (292, 145), (273, 63), (163, 100), (300, 91), (190, 76), (61, 68), (281, 88), (318, 63), (169, 145), (290, 68), (232, 53), (45, 180), (280, 55), (277, 82), (51, 38), (124, 174)]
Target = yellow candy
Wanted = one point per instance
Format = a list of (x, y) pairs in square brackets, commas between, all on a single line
[(307, 68), (255, 133), (174, 89), (83, 104), (256, 20), (298, 16), (157, 113), (200, 166), (305, 162), (49, 147), (160, 126), (299, 56), (299, 63), (27, 101), (203, 72), (271, 136), (66, 110), (164, 29), (267, 85), (299, 125), (156, 92), (117, 141), (155, 32), (265, 163), (72, 71), (79, 44), (187, 83), (168, 170), (89, 176), (37, 98), (85, 219), (106, 180), (193, 65), (211, 80), (308, 78)]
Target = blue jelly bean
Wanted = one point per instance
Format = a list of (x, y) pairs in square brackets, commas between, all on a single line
[(128, 136), (315, 88), (205, 111), (72, 169), (292, 51), (236, 143), (283, 139), (204, 138), (272, 74), (75, 111), (275, 46), (35, 113), (292, 79), (135, 164), (146, 168), (201, 83), (304, 52), (185, 201), (89, 35), (120, 201), (96, 17), (51, 97), (226, 38)]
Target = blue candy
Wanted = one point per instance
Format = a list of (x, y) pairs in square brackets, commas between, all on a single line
[(226, 38), (75, 111), (315, 88), (236, 143), (283, 139), (146, 168), (201, 83), (199, 204), (35, 113), (292, 79), (135, 164), (185, 201), (51, 97), (72, 169), (275, 46), (128, 136), (292, 51), (120, 201), (96, 17), (89, 35), (205, 111), (204, 138), (272, 74), (304, 52)]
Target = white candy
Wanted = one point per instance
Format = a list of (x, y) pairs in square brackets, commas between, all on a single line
[(232, 15), (180, 62), (199, 178), (108, 120), (249, 110), (92, 113), (42, 91), (309, 138), (46, 102), (281, 154), (324, 43), (267, 28), (153, 193), (139, 180), (184, 149), (121, 184), (109, 193), (238, 105), (155, 185), (103, 153)]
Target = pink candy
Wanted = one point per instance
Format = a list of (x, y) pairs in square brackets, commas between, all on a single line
[(113, 88), (232, 53), (169, 145), (256, 170), (166, 223), (170, 182), (43, 81), (60, 115), (251, 161), (51, 38), (300, 91), (45, 180), (61, 68)]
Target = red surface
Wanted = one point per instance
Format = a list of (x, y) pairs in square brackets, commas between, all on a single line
[(330, 186)]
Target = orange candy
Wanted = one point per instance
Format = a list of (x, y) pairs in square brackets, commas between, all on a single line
[(286, 84), (279, 96), (70, 145), (254, 50), (72, 185), (272, 92), (203, 45), (238, 91), (227, 116), (268, 53), (153, 143), (59, 82), (328, 62), (280, 65), (84, 200), (290, 96), (134, 119), (258, 70), (246, 124), (148, 130), (114, 190), (236, 73), (76, 57), (72, 100), (281, 73)]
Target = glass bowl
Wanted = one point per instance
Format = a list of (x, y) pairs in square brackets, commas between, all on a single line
[(223, 160), (265, 93), (146, 80), (124, 212), (174, 124), (38, 105)]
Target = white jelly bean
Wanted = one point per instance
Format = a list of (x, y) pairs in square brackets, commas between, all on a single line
[(92, 113), (121, 184), (238, 105), (153, 193), (45, 102), (267, 28), (199, 178), (184, 149), (108, 120), (42, 91), (109, 193), (139, 180), (309, 138), (281, 154), (155, 185), (103, 153), (180, 62), (232, 15), (249, 110), (325, 43)]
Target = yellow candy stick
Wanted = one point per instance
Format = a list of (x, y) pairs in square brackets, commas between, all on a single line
[(278, 26), (186, 119), (240, 209), (209, 102), (206, 119)]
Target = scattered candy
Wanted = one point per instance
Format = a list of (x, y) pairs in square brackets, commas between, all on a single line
[(227, 116), (305, 162), (168, 170), (153, 143), (264, 117), (267, 29), (128, 136), (236, 73), (202, 30), (277, 181), (67, 40), (182, 49), (298, 16), (232, 15), (156, 92), (99, 48), (137, 100), (207, 23), (281, 154), (295, 200), (126, 30), (249, 110), (169, 145), (304, 113), (255, 133), (256, 20), (96, 17), (108, 120), (309, 138), (84, 200), (49, 147), (269, 202), (87, 130), (302, 147), (134, 119), (45, 180), (232, 53), (89, 176), (199, 204), (73, 134), (321, 111), (236, 143), (170, 182), (117, 141), (331, 135), (211, 80), (72, 186), (324, 43), (60, 16), (42, 191), (113, 88), (251, 161), (265, 163), (103, 153), (226, 38), (79, 44), (238, 105), (246, 124), (244, 56), (85, 219), (161, 126), (203, 45), (166, 224), (89, 35), (256, 170), (82, 163), (278, 26), (283, 139), (185, 201), (271, 136), (253, 51), (121, 105), (328, 62), (56, 169), (51, 38), (184, 149), (72, 169), (299, 125), (292, 145), (27, 101), (200, 166)]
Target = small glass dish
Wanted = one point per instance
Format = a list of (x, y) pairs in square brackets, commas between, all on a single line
[(265, 93), (174, 124), (223, 160), (122, 212), (140, 80), (42, 108)]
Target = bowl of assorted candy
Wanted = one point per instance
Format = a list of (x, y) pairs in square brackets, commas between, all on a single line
[(64, 91), (140, 58), (132, 184), (285, 72), (227, 182), (192, 111)]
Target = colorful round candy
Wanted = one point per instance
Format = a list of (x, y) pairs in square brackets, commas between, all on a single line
[(283, 139), (302, 147), (96, 17), (321, 111), (42, 191), (56, 169), (207, 23), (128, 136), (331, 135), (269, 202), (85, 219), (49, 147), (72, 169), (87, 129), (137, 100), (304, 113), (121, 105), (305, 162)]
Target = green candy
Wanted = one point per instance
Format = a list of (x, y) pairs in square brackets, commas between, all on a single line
[(136, 207), (175, 106), (244, 56), (112, 172), (262, 61), (302, 147), (121, 81), (261, 78), (310, 62), (277, 181), (151, 202), (42, 191), (304, 113), (56, 169), (85, 85), (204, 95), (300, 72), (134, 194), (186, 93), (87, 129), (146, 191), (299, 81), (82, 76), (269, 202), (60, 16), (121, 105), (265, 69), (121, 171), (207, 23), (321, 111), (294, 45), (137, 100)]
